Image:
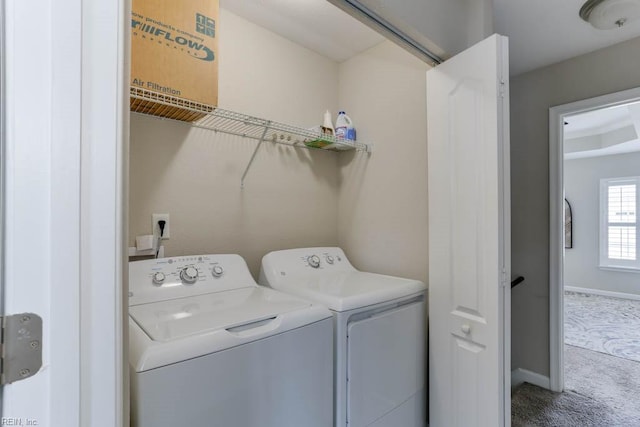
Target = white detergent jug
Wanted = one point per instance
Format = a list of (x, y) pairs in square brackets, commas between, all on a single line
[(344, 127)]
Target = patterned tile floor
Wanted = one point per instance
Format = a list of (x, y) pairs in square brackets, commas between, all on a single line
[(604, 324)]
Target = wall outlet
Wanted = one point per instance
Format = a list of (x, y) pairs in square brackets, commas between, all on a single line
[(156, 228)]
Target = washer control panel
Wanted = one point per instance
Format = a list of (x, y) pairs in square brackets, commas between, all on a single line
[(322, 259), (178, 277), (294, 264), (186, 270)]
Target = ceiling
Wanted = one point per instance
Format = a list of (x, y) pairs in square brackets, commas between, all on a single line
[(315, 24), (541, 32), (603, 132)]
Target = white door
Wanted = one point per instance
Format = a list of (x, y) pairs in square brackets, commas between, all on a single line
[(469, 238), (63, 161)]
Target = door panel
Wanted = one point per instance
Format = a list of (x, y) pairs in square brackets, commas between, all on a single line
[(465, 356), (469, 237)]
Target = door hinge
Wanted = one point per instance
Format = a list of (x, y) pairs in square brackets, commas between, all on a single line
[(503, 278), (21, 347), (502, 88)]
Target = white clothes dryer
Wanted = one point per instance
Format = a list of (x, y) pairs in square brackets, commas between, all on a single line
[(209, 347), (379, 334)]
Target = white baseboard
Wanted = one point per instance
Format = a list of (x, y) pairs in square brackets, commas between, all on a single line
[(602, 293), (519, 376)]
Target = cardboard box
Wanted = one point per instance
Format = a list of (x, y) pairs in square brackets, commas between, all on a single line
[(174, 57)]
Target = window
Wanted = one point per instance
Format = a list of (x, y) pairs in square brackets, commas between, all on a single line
[(618, 224)]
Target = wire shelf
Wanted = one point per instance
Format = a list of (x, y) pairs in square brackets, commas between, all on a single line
[(229, 122)]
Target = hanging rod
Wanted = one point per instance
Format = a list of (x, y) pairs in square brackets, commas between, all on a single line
[(368, 16)]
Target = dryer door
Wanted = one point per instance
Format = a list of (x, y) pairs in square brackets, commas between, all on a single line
[(386, 368)]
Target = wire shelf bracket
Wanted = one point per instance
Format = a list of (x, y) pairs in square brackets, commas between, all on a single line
[(253, 156)]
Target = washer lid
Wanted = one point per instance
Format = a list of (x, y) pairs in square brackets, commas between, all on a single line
[(234, 310), (346, 290)]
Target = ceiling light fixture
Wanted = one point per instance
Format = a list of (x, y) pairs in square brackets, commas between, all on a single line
[(609, 14)]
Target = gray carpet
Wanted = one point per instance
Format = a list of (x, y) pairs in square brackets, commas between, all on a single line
[(600, 390), (603, 324)]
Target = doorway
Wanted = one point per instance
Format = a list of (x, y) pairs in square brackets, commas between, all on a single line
[(593, 239)]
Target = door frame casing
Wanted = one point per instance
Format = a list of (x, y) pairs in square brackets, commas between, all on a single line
[(104, 399), (3, 141), (504, 126), (64, 106), (557, 115)]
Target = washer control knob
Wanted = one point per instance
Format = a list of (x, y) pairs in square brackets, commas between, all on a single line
[(158, 278), (189, 274), (217, 271), (329, 259), (314, 261)]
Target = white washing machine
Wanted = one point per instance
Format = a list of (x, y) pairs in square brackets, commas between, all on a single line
[(379, 332), (209, 347)]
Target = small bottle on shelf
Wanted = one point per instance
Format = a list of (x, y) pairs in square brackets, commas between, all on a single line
[(327, 126)]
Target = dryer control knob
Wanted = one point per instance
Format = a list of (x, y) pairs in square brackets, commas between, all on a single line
[(158, 278), (329, 259), (217, 271), (189, 275), (314, 261)]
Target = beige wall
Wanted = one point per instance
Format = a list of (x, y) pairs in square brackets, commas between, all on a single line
[(266, 75), (375, 206), (532, 94), (290, 196), (382, 219)]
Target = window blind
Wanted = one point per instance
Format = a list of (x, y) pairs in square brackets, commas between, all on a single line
[(621, 213), (618, 223)]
